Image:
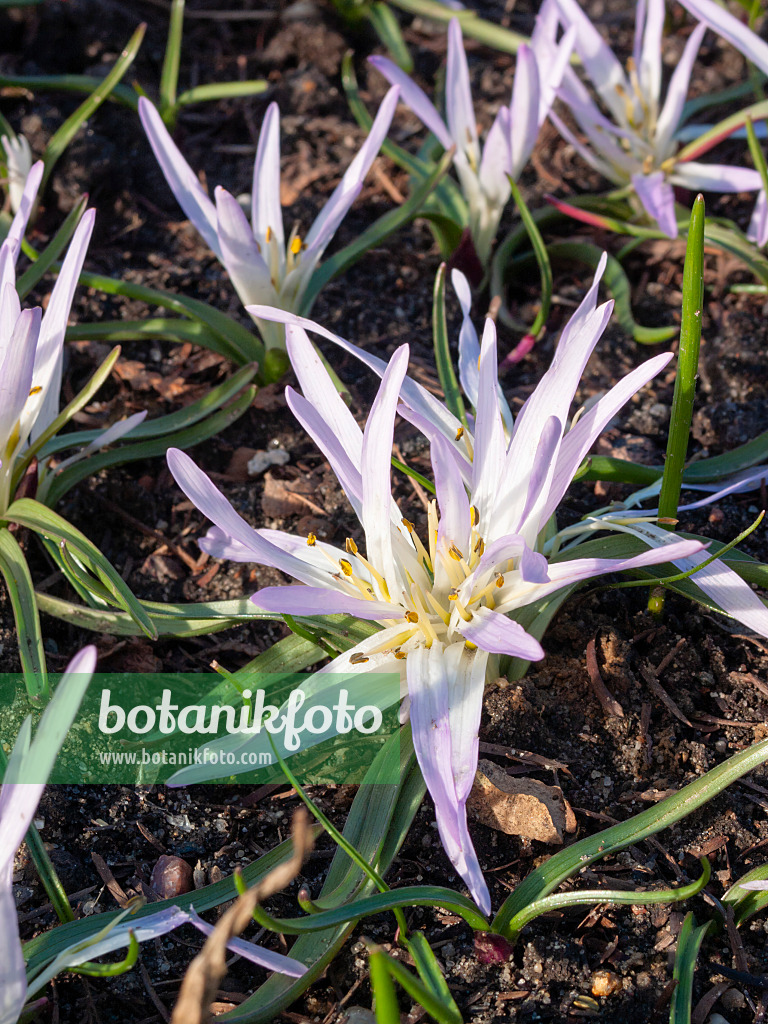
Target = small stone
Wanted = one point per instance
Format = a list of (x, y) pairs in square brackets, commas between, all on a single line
[(605, 983), (262, 460), (733, 999), (171, 876)]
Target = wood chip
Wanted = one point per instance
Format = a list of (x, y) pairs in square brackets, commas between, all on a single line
[(518, 807), (109, 880), (611, 707)]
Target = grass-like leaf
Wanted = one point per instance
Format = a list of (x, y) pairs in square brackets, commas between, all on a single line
[(21, 592)]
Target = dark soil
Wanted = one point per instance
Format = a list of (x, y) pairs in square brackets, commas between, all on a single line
[(614, 766)]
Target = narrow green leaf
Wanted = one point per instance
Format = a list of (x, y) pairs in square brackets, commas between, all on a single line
[(758, 157), (119, 455), (48, 875), (687, 365), (445, 1013), (93, 970), (562, 865), (542, 257), (688, 945), (385, 998), (30, 513), (78, 402), (169, 76), (720, 131), (617, 283), (52, 251), (595, 897), (374, 235), (64, 135), (731, 240), (123, 94), (387, 28), (165, 328), (212, 91), (483, 31), (21, 592), (441, 345), (429, 969)]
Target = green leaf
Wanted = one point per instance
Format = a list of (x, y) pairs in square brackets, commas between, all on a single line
[(408, 896), (161, 425), (445, 1013), (64, 135), (387, 28), (617, 283), (542, 257), (30, 513), (429, 970), (731, 240), (722, 130), (62, 482), (687, 365), (385, 998), (546, 878), (169, 76), (52, 251), (44, 948), (595, 897), (748, 902), (78, 402), (21, 592), (688, 945), (374, 235), (93, 970), (483, 31), (222, 91), (70, 83), (441, 345), (166, 328)]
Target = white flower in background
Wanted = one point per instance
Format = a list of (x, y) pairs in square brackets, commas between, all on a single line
[(636, 143), (18, 156), (483, 172), (264, 267)]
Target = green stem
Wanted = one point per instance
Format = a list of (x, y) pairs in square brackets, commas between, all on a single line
[(48, 876)]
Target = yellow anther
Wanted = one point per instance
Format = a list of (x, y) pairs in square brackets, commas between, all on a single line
[(454, 552), (474, 515), (412, 616), (268, 235), (460, 433), (470, 646), (296, 246), (35, 390), (500, 580), (408, 525), (479, 548), (401, 655), (648, 164), (346, 567), (311, 540), (358, 659), (350, 546), (453, 594)]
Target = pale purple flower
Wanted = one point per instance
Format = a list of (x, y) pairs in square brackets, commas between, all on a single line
[(264, 267), (443, 602), (18, 161), (18, 803), (757, 886), (483, 172), (636, 144), (32, 344)]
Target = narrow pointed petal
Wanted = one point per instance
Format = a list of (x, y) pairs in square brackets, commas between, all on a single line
[(16, 370), (240, 252), (43, 408), (524, 110), (19, 222), (658, 199), (490, 442), (208, 498), (717, 177), (677, 92), (180, 176), (452, 500), (13, 975), (446, 694), (599, 61), (540, 479), (758, 225), (334, 211), (413, 394), (730, 28), (649, 63), (321, 601), (579, 440), (116, 432), (266, 211), (375, 468), (496, 161), (595, 162), (498, 634), (415, 98), (460, 113), (250, 951)]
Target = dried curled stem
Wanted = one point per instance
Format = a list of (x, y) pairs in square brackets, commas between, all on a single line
[(198, 989)]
